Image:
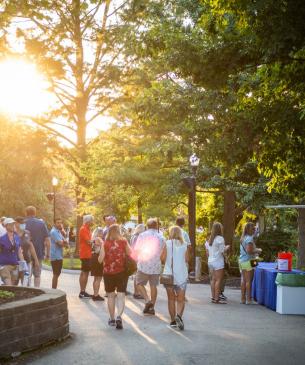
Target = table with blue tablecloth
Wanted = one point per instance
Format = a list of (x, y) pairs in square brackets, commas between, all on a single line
[(264, 287)]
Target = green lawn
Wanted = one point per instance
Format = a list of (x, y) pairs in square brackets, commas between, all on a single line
[(67, 263)]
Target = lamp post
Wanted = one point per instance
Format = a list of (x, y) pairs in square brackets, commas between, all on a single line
[(194, 162), (54, 184)]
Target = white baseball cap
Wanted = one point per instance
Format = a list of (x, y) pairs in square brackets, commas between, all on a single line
[(8, 221)]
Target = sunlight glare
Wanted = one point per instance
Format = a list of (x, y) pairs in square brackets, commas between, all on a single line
[(23, 91)]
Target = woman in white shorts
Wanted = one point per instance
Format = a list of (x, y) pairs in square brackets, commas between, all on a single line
[(216, 262)]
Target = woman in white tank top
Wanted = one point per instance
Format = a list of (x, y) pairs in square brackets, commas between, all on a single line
[(175, 255)]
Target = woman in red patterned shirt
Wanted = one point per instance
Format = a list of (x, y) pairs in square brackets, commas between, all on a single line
[(113, 253)]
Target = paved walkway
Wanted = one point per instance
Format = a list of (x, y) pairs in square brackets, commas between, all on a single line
[(214, 334)]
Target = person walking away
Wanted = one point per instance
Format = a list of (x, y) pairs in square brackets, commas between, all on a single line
[(96, 267), (85, 254), (222, 296), (216, 262), (114, 253), (248, 251), (175, 255), (58, 242), (147, 252), (140, 228), (10, 253), (40, 238), (28, 252)]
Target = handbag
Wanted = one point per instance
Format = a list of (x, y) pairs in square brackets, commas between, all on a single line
[(130, 266), (168, 279)]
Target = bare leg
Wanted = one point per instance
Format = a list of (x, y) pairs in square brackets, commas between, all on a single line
[(243, 286), (54, 281), (249, 277), (96, 285), (83, 280), (111, 304), (37, 282), (180, 302), (213, 284), (143, 292), (171, 303), (135, 288), (153, 293), (120, 303), (218, 278)]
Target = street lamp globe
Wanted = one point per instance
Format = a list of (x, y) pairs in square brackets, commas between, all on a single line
[(54, 181), (194, 160)]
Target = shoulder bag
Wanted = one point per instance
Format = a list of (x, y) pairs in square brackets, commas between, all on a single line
[(168, 279), (130, 265)]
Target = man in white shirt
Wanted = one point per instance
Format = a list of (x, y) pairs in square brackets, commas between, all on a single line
[(148, 250)]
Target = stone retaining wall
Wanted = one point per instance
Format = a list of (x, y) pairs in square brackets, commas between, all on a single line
[(29, 323)]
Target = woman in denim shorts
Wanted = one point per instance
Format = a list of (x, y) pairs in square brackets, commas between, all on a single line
[(175, 256)]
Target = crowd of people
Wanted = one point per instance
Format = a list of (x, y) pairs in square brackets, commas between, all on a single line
[(105, 252)]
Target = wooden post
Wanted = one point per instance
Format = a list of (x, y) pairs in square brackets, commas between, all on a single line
[(301, 245)]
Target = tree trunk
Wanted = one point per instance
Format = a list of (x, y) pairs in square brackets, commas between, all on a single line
[(301, 245), (140, 216), (192, 221), (229, 218)]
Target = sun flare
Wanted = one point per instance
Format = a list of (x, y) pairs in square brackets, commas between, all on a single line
[(23, 90)]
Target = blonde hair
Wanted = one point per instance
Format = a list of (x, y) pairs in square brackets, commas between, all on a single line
[(175, 233), (217, 230), (248, 227), (114, 233)]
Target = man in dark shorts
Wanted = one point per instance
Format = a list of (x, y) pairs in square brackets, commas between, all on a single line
[(58, 241), (96, 267), (85, 254)]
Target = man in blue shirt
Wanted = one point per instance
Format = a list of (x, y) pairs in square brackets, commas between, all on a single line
[(57, 243), (40, 239), (10, 253)]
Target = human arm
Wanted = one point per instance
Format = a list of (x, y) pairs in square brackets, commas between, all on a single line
[(33, 253), (128, 249), (47, 245), (163, 254), (101, 255), (20, 254), (187, 256), (249, 247)]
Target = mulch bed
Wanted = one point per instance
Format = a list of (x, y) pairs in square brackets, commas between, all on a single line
[(19, 294)]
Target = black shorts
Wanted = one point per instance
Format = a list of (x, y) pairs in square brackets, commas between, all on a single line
[(117, 281), (86, 265), (96, 267), (56, 267)]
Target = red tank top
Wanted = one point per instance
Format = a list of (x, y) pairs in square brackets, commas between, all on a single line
[(115, 256)]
